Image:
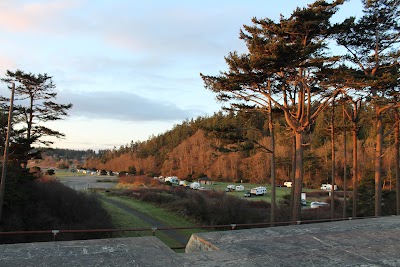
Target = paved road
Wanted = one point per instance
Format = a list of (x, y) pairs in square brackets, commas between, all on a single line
[(85, 182)]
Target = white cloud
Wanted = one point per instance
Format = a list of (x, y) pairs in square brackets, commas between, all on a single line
[(125, 106), (130, 62)]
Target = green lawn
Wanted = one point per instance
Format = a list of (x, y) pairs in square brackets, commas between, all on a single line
[(63, 173), (159, 214), (123, 219), (280, 191), (221, 186)]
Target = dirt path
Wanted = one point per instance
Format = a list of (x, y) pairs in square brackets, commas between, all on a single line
[(174, 234)]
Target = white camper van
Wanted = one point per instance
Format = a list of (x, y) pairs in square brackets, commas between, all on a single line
[(258, 191), (195, 185), (172, 179), (328, 187), (239, 188)]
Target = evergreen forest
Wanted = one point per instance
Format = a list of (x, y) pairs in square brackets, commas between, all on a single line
[(231, 147)]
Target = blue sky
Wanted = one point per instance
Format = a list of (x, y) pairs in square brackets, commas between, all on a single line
[(130, 68)]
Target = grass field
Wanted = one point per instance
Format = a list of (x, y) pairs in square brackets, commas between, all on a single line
[(221, 186), (280, 191), (157, 213), (123, 219), (63, 173)]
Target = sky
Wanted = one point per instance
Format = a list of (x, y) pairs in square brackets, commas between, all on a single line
[(130, 68)]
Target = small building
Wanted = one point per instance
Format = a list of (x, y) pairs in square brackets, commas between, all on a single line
[(206, 180)]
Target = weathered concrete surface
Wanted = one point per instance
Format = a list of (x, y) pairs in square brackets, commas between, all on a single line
[(368, 242), (139, 251)]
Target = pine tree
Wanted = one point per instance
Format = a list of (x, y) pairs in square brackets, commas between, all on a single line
[(281, 66), (372, 43), (38, 92)]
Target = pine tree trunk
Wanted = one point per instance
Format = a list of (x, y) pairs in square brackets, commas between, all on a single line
[(298, 179), (344, 171), (378, 165), (333, 161), (397, 159), (272, 147), (355, 169), (273, 182), (292, 174)]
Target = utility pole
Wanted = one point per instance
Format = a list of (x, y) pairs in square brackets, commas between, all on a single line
[(4, 171)]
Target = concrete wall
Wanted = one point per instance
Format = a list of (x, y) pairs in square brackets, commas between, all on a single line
[(197, 244)]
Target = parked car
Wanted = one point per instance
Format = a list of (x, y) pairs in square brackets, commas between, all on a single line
[(316, 204), (183, 183), (247, 194), (303, 202)]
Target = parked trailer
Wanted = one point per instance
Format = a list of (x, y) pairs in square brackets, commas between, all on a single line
[(258, 191), (172, 179), (328, 187), (195, 185), (230, 188), (239, 188)]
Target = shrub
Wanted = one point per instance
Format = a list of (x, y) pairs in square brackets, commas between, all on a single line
[(139, 181), (50, 172), (204, 207), (35, 171), (51, 205), (123, 173)]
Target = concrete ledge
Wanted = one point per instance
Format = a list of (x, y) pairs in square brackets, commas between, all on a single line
[(138, 251), (367, 242)]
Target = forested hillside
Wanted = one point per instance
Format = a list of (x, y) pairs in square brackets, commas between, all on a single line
[(232, 146)]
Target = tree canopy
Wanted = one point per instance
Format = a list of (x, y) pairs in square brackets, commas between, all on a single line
[(281, 67)]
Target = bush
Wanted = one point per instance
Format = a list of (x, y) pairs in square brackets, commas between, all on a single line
[(204, 207), (123, 173), (51, 205), (50, 172), (35, 171)]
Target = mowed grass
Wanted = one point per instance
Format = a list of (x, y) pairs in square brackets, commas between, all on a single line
[(159, 214), (64, 173), (279, 191), (123, 219), (221, 186)]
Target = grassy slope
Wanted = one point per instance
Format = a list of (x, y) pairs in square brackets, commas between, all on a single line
[(122, 219), (159, 214)]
